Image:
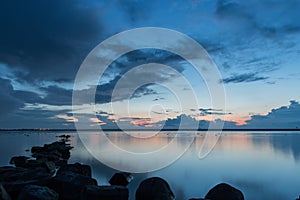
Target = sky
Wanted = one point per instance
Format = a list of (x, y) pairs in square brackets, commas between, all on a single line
[(254, 44)]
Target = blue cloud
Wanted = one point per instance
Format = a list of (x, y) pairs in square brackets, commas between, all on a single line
[(240, 78), (282, 117)]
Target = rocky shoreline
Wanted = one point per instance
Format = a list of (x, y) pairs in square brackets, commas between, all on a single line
[(48, 175)]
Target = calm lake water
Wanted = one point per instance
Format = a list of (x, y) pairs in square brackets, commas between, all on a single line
[(263, 165)]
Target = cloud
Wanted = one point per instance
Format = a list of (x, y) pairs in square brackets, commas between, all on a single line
[(66, 117), (48, 38), (8, 103), (38, 119), (282, 117), (211, 111), (240, 78), (187, 122)]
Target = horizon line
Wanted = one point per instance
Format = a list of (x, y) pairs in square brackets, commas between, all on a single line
[(167, 129)]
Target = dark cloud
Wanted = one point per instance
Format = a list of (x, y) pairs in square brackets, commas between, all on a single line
[(212, 111), (48, 38), (188, 122), (158, 113), (240, 78), (36, 118), (282, 117), (8, 102), (56, 96), (258, 16), (143, 91)]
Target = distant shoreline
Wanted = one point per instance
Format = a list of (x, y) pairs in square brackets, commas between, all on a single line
[(120, 130)]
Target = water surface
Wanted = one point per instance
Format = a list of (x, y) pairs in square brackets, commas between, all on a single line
[(264, 165)]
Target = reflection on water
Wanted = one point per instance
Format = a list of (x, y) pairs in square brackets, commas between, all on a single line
[(264, 165)]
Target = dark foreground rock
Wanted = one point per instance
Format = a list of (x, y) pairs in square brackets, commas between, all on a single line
[(18, 161), (121, 178), (224, 191), (15, 179), (154, 188), (34, 192), (78, 168), (3, 194), (69, 184), (55, 151), (104, 193)]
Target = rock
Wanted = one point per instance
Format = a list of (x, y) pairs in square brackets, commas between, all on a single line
[(14, 179), (46, 156), (298, 198), (37, 149), (104, 193), (154, 188), (61, 147), (18, 161), (121, 178), (224, 191), (53, 151), (198, 199), (76, 168), (34, 192), (10, 174), (61, 163), (3, 194), (69, 184), (64, 136)]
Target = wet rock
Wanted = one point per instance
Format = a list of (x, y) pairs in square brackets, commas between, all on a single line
[(224, 191), (18, 161), (104, 193), (61, 163), (34, 192), (15, 179), (3, 194), (76, 168), (9, 174), (154, 189), (53, 151), (121, 178), (49, 155), (61, 147), (198, 199), (64, 136), (69, 184)]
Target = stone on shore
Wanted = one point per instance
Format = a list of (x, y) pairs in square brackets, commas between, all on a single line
[(3, 194), (76, 168), (224, 191), (93, 192), (154, 188), (34, 192), (18, 161), (57, 152), (69, 184), (121, 178), (198, 199), (14, 179)]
